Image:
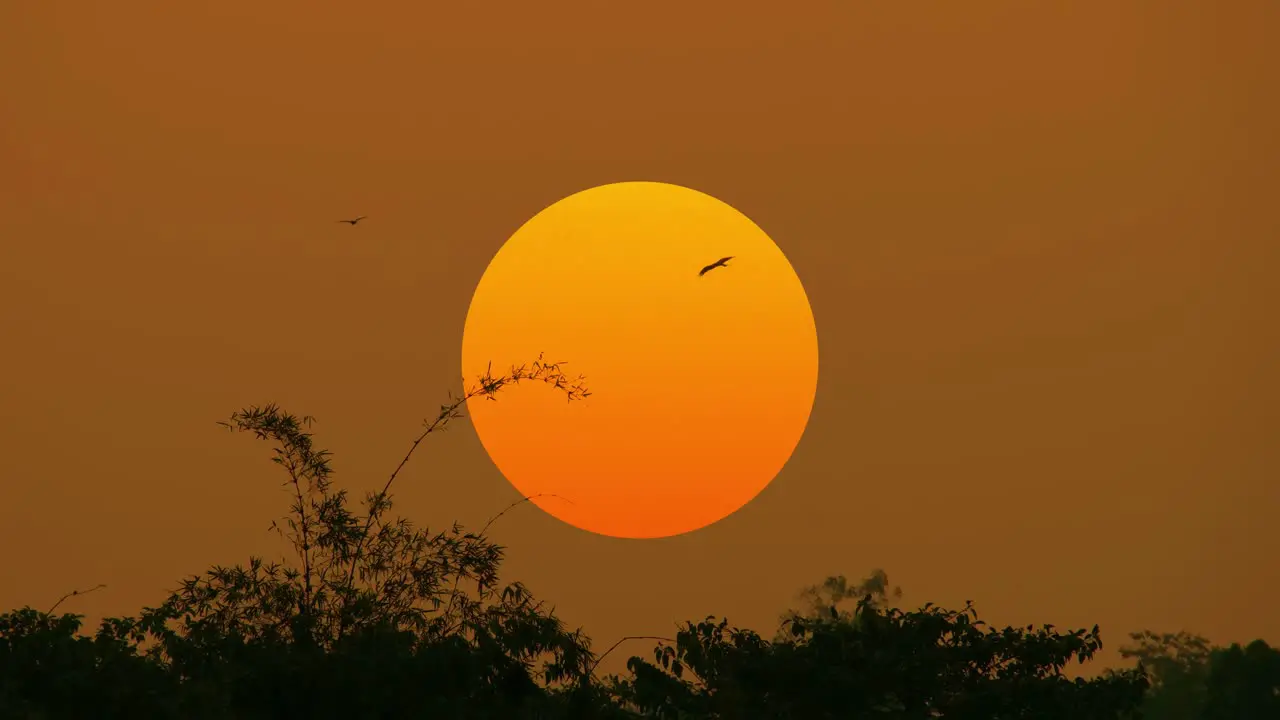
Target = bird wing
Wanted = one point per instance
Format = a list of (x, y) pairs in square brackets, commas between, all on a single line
[(705, 270)]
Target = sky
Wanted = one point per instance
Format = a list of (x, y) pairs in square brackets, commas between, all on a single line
[(1038, 240)]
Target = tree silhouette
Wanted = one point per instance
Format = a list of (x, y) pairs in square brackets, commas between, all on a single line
[(1191, 679), (882, 663), (823, 602), (1244, 683), (1178, 666), (377, 618), (49, 670), (365, 591)]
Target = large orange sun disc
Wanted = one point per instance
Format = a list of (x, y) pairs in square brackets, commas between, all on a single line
[(701, 384)]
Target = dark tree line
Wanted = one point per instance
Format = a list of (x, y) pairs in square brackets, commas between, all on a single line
[(1192, 679), (377, 618)]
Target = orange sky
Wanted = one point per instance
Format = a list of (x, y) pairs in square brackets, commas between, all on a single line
[(1039, 240)]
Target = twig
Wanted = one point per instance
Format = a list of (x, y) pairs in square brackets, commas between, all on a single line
[(521, 501), (592, 670), (71, 594)]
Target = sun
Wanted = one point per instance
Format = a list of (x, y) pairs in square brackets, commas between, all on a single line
[(701, 384)]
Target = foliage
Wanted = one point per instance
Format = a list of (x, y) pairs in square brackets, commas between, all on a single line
[(364, 586), (1244, 683), (361, 570), (48, 669), (823, 602), (882, 663), (1190, 679), (1177, 665), (378, 618)]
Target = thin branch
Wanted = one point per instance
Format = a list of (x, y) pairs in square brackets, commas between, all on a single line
[(72, 594), (307, 592), (521, 501), (592, 670)]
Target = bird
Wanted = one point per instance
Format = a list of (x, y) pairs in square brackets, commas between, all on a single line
[(719, 263), (353, 222)]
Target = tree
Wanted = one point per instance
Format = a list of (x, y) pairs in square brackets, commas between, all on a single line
[(823, 602), (368, 597), (49, 670), (881, 663), (1191, 679), (377, 618), (1243, 683), (1177, 665)]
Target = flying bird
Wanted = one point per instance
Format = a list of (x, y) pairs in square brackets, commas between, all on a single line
[(354, 221), (722, 262)]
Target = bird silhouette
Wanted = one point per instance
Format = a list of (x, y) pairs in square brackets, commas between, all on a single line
[(719, 263), (353, 222)]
